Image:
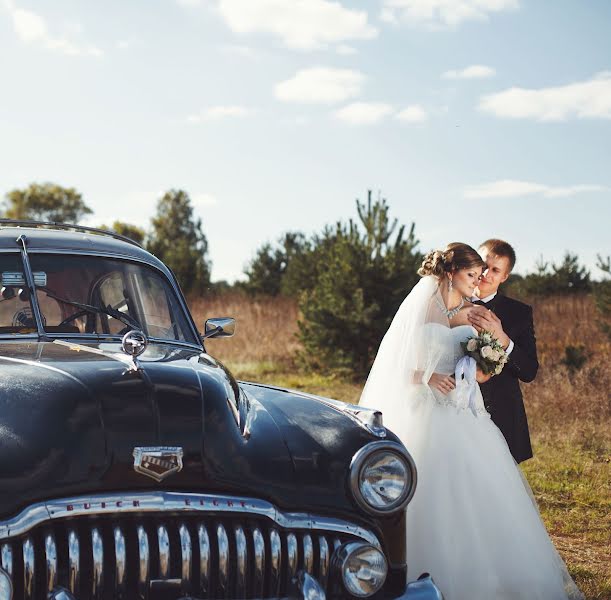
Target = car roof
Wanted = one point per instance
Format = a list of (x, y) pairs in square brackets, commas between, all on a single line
[(61, 240)]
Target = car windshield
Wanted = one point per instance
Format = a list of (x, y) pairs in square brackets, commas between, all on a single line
[(90, 295)]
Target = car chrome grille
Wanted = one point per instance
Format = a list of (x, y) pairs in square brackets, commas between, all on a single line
[(216, 553)]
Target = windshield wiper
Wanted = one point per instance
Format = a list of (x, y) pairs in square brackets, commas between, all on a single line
[(98, 310)]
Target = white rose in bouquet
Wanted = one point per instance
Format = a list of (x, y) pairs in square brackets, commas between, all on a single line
[(495, 355), (486, 351), (486, 338), (498, 369), (472, 345)]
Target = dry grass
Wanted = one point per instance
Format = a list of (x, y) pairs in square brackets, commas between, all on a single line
[(569, 413), (265, 331)]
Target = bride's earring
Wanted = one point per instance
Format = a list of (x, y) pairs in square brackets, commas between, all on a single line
[(450, 285)]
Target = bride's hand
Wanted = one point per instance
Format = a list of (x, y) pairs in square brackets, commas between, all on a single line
[(442, 383), (481, 377)]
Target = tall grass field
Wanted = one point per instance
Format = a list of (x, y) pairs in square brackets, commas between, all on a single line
[(569, 410)]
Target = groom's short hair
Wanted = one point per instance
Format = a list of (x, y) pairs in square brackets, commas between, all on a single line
[(500, 248)]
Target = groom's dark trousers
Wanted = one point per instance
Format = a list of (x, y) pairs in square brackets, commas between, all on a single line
[(502, 394)]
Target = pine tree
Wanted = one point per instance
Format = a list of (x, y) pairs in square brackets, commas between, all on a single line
[(362, 272), (178, 240)]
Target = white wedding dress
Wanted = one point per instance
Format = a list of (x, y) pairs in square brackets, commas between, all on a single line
[(472, 524)]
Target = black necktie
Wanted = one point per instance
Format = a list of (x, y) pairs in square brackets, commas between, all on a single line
[(478, 302)]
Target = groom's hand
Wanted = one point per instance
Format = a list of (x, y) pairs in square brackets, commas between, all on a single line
[(485, 320)]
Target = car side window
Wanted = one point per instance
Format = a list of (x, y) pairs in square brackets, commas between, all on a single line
[(15, 309)]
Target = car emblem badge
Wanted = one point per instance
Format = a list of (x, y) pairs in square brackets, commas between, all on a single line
[(158, 462)]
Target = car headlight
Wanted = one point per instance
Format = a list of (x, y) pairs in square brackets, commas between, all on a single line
[(382, 477), (6, 587), (362, 568)]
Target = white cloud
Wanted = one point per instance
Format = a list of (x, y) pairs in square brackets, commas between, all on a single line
[(300, 24), (584, 99), (511, 188), (346, 50), (28, 25), (216, 113), (442, 13), (32, 28), (472, 72), (320, 85), (412, 114), (363, 113)]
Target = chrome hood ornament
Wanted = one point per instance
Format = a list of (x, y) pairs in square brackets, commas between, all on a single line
[(134, 343), (158, 462)]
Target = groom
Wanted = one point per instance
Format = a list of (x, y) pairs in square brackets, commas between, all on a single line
[(511, 322)]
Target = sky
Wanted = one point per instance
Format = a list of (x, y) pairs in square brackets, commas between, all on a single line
[(473, 118)]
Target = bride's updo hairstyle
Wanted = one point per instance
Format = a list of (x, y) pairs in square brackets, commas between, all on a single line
[(455, 257)]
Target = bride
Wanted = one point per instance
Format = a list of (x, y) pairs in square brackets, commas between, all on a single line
[(473, 523)]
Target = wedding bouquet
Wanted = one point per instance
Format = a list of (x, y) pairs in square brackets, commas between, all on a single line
[(487, 352)]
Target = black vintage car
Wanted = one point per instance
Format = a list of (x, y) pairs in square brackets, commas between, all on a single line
[(134, 465)]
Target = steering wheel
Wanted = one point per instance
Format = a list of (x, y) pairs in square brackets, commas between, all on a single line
[(74, 317)]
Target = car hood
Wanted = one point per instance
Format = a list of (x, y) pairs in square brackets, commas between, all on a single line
[(70, 418)]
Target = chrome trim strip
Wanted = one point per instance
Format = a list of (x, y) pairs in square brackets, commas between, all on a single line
[(7, 558), (143, 561), (291, 553), (323, 554), (275, 543), (28, 569), (241, 561), (97, 550), (51, 561), (223, 542), (164, 551), (308, 554), (147, 502), (259, 563), (74, 561), (120, 559), (186, 554), (204, 558), (58, 226)]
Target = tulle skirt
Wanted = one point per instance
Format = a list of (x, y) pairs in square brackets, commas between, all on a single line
[(472, 523)]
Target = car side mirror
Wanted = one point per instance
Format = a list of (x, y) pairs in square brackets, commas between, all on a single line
[(219, 327)]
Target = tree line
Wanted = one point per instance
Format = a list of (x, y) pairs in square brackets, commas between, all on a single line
[(349, 279), (175, 236)]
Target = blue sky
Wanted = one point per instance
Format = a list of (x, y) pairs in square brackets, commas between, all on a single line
[(474, 118)]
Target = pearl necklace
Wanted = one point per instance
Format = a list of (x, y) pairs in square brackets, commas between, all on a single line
[(449, 313)]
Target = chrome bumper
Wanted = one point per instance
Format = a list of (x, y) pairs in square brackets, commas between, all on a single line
[(307, 588), (423, 589)]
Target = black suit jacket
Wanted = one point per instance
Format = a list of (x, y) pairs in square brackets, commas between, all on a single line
[(502, 394)]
